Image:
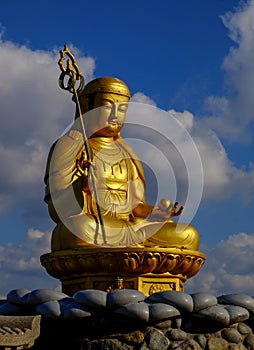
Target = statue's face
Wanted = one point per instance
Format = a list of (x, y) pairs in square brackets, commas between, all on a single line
[(110, 112)]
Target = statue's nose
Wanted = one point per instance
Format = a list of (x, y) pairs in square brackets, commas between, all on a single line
[(114, 114)]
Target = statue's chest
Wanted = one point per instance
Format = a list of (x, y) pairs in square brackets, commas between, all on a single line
[(111, 168)]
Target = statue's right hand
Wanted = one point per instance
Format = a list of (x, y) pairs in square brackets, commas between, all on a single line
[(84, 164)]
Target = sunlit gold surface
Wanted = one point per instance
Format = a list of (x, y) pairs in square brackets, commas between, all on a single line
[(107, 85), (120, 184), (149, 254), (147, 270)]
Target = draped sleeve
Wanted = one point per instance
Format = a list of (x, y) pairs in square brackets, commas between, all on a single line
[(62, 184)]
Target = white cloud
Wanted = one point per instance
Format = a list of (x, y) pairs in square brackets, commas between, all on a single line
[(228, 268), (222, 179), (20, 263), (34, 112), (231, 116), (142, 98), (186, 118)]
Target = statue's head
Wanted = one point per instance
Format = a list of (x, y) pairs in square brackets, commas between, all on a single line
[(109, 98)]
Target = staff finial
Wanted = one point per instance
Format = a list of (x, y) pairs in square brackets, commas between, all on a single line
[(72, 70)]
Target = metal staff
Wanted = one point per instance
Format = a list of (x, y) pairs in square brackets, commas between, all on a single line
[(72, 70)]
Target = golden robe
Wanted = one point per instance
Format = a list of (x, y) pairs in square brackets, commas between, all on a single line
[(120, 183)]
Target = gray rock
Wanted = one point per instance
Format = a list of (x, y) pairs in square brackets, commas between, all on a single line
[(201, 340), (232, 335), (233, 346), (138, 311), (155, 340), (216, 313), (203, 301), (180, 300), (164, 325), (65, 301), (160, 312), (174, 345), (238, 300), (40, 296), (177, 334), (106, 344), (249, 342), (73, 311), (9, 309), (16, 296), (123, 297), (168, 324), (91, 298), (189, 345), (237, 313), (243, 328), (177, 322), (3, 301), (50, 309), (216, 343)]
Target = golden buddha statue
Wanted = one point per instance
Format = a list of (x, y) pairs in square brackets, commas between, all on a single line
[(119, 179)]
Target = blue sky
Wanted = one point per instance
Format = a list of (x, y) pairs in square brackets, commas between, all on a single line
[(194, 58)]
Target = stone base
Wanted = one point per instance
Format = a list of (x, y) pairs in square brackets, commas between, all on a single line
[(148, 284), (148, 270)]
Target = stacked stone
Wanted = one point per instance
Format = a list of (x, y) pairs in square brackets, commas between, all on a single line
[(126, 319)]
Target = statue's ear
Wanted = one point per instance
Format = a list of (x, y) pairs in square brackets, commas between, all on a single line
[(84, 104)]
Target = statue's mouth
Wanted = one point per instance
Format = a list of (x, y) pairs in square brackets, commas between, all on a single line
[(113, 122)]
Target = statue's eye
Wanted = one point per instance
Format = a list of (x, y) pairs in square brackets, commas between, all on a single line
[(122, 107), (107, 107)]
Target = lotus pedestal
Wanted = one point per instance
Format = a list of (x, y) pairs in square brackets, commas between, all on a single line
[(148, 270)]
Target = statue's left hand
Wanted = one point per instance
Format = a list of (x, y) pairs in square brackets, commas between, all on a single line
[(175, 211), (160, 214)]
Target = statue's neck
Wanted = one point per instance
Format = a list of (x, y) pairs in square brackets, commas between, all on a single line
[(102, 140)]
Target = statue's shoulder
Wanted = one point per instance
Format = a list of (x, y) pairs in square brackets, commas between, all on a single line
[(71, 140)]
